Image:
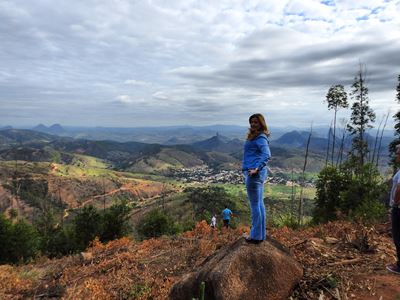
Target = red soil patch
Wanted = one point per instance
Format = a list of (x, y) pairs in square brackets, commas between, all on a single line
[(383, 286)]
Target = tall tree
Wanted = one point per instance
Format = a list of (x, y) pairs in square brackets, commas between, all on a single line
[(303, 179), (361, 118), (380, 141), (342, 142), (336, 99), (396, 117), (88, 225), (327, 146)]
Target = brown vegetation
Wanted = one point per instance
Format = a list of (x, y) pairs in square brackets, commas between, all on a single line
[(341, 261), (76, 192)]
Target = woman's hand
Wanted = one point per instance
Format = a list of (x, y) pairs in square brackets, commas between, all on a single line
[(253, 172)]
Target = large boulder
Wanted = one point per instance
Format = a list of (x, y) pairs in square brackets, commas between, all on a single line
[(243, 271)]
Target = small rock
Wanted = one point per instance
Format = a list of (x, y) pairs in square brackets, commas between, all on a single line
[(86, 257)]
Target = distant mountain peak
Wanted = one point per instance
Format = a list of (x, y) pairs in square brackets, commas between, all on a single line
[(292, 138), (218, 143), (53, 129), (56, 128), (41, 128)]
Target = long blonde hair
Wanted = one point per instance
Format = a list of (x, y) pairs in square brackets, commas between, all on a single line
[(264, 128)]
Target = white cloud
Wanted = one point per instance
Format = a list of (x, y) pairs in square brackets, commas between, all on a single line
[(209, 61), (160, 95), (126, 99), (136, 82), (310, 9)]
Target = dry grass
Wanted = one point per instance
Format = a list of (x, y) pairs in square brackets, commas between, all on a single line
[(126, 269)]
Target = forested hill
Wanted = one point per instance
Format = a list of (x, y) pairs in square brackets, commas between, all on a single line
[(217, 152), (298, 139)]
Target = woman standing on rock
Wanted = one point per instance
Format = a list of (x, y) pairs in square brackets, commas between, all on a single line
[(255, 159)]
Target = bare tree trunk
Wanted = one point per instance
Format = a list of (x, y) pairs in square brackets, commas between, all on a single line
[(329, 141), (302, 180), (104, 194), (376, 141), (334, 136), (60, 201), (292, 209), (362, 129), (163, 195), (15, 179), (380, 140), (341, 149)]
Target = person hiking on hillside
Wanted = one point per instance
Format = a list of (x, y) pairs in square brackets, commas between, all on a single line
[(395, 204), (255, 158), (226, 216), (213, 223)]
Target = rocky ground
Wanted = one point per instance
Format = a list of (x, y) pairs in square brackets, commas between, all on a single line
[(341, 260)]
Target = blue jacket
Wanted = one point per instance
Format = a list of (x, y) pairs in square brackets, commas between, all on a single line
[(256, 153), (226, 214)]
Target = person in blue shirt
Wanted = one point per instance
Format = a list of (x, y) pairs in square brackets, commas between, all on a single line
[(226, 216), (255, 158)]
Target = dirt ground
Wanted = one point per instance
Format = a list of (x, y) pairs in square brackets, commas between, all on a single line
[(341, 260), (385, 286)]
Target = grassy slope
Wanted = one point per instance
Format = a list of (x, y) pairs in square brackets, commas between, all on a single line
[(94, 173), (81, 182), (277, 202)]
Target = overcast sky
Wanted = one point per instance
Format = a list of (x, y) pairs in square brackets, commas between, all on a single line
[(153, 63)]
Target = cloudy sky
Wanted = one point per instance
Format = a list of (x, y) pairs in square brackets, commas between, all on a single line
[(161, 62)]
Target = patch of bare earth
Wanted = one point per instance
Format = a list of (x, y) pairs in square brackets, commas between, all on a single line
[(343, 261)]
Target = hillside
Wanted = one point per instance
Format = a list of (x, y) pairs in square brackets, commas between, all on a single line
[(336, 264), (219, 143), (166, 135), (19, 137), (84, 180), (298, 139), (53, 129), (34, 146), (217, 152)]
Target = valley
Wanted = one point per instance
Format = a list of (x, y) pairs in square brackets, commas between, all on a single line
[(40, 171), (187, 184)]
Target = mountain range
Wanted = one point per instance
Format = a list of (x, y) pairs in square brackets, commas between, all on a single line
[(172, 135), (53, 129), (218, 150)]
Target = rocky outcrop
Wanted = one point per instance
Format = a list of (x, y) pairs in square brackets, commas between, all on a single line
[(243, 271)]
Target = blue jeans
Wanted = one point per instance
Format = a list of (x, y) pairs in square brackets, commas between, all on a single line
[(255, 193), (396, 231)]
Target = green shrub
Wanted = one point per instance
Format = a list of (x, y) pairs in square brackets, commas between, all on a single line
[(361, 200), (349, 195), (285, 219), (156, 223), (20, 242), (5, 235), (88, 226), (116, 222), (56, 239), (331, 183), (25, 242), (209, 200), (370, 212), (62, 242), (32, 191), (139, 290)]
